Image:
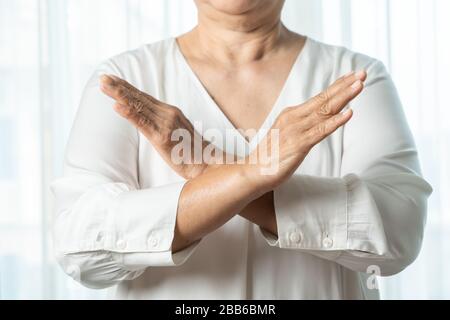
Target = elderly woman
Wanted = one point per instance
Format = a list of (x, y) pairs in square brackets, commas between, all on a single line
[(344, 198)]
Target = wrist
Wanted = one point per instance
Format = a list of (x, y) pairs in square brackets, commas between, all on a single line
[(249, 177), (256, 179)]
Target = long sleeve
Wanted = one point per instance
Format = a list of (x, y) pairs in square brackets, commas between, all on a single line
[(374, 213), (107, 229)]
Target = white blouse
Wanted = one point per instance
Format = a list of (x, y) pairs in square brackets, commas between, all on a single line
[(355, 207)]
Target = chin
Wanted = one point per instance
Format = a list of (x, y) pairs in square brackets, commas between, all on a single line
[(234, 6)]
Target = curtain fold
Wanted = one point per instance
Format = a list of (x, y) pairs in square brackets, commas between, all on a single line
[(49, 48)]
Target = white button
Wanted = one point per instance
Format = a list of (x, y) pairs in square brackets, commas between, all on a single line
[(121, 244), (153, 242), (295, 237), (327, 243)]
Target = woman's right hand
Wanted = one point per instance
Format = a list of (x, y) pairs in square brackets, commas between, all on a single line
[(299, 129)]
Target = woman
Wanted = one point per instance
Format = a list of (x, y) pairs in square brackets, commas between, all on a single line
[(346, 198)]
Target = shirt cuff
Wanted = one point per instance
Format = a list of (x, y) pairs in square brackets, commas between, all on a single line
[(136, 227), (326, 216), (137, 261), (141, 245)]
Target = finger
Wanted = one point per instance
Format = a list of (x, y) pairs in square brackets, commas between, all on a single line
[(170, 118), (112, 86), (327, 127), (344, 77), (128, 96), (333, 107), (343, 98), (125, 94), (353, 76), (151, 117), (321, 103), (347, 80), (139, 120)]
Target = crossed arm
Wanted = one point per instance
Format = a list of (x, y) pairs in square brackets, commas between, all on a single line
[(215, 192)]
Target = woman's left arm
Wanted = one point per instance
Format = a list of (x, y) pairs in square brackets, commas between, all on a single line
[(374, 215)]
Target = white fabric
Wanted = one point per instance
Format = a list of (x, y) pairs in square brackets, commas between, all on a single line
[(357, 201)]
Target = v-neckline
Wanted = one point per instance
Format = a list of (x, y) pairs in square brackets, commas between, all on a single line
[(262, 131)]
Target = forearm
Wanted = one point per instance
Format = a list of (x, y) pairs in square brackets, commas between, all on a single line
[(210, 200), (262, 213)]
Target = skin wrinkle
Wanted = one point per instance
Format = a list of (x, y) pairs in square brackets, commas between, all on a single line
[(254, 22), (325, 109), (140, 105)]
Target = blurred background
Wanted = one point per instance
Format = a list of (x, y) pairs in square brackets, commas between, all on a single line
[(49, 48)]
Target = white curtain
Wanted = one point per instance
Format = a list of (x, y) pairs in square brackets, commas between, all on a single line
[(48, 49)]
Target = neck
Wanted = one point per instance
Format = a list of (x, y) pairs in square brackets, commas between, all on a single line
[(238, 39)]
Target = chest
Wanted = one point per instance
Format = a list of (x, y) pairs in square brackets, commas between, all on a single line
[(245, 95)]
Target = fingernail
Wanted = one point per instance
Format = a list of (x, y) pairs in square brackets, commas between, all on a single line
[(360, 74), (346, 113), (356, 85), (106, 80)]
